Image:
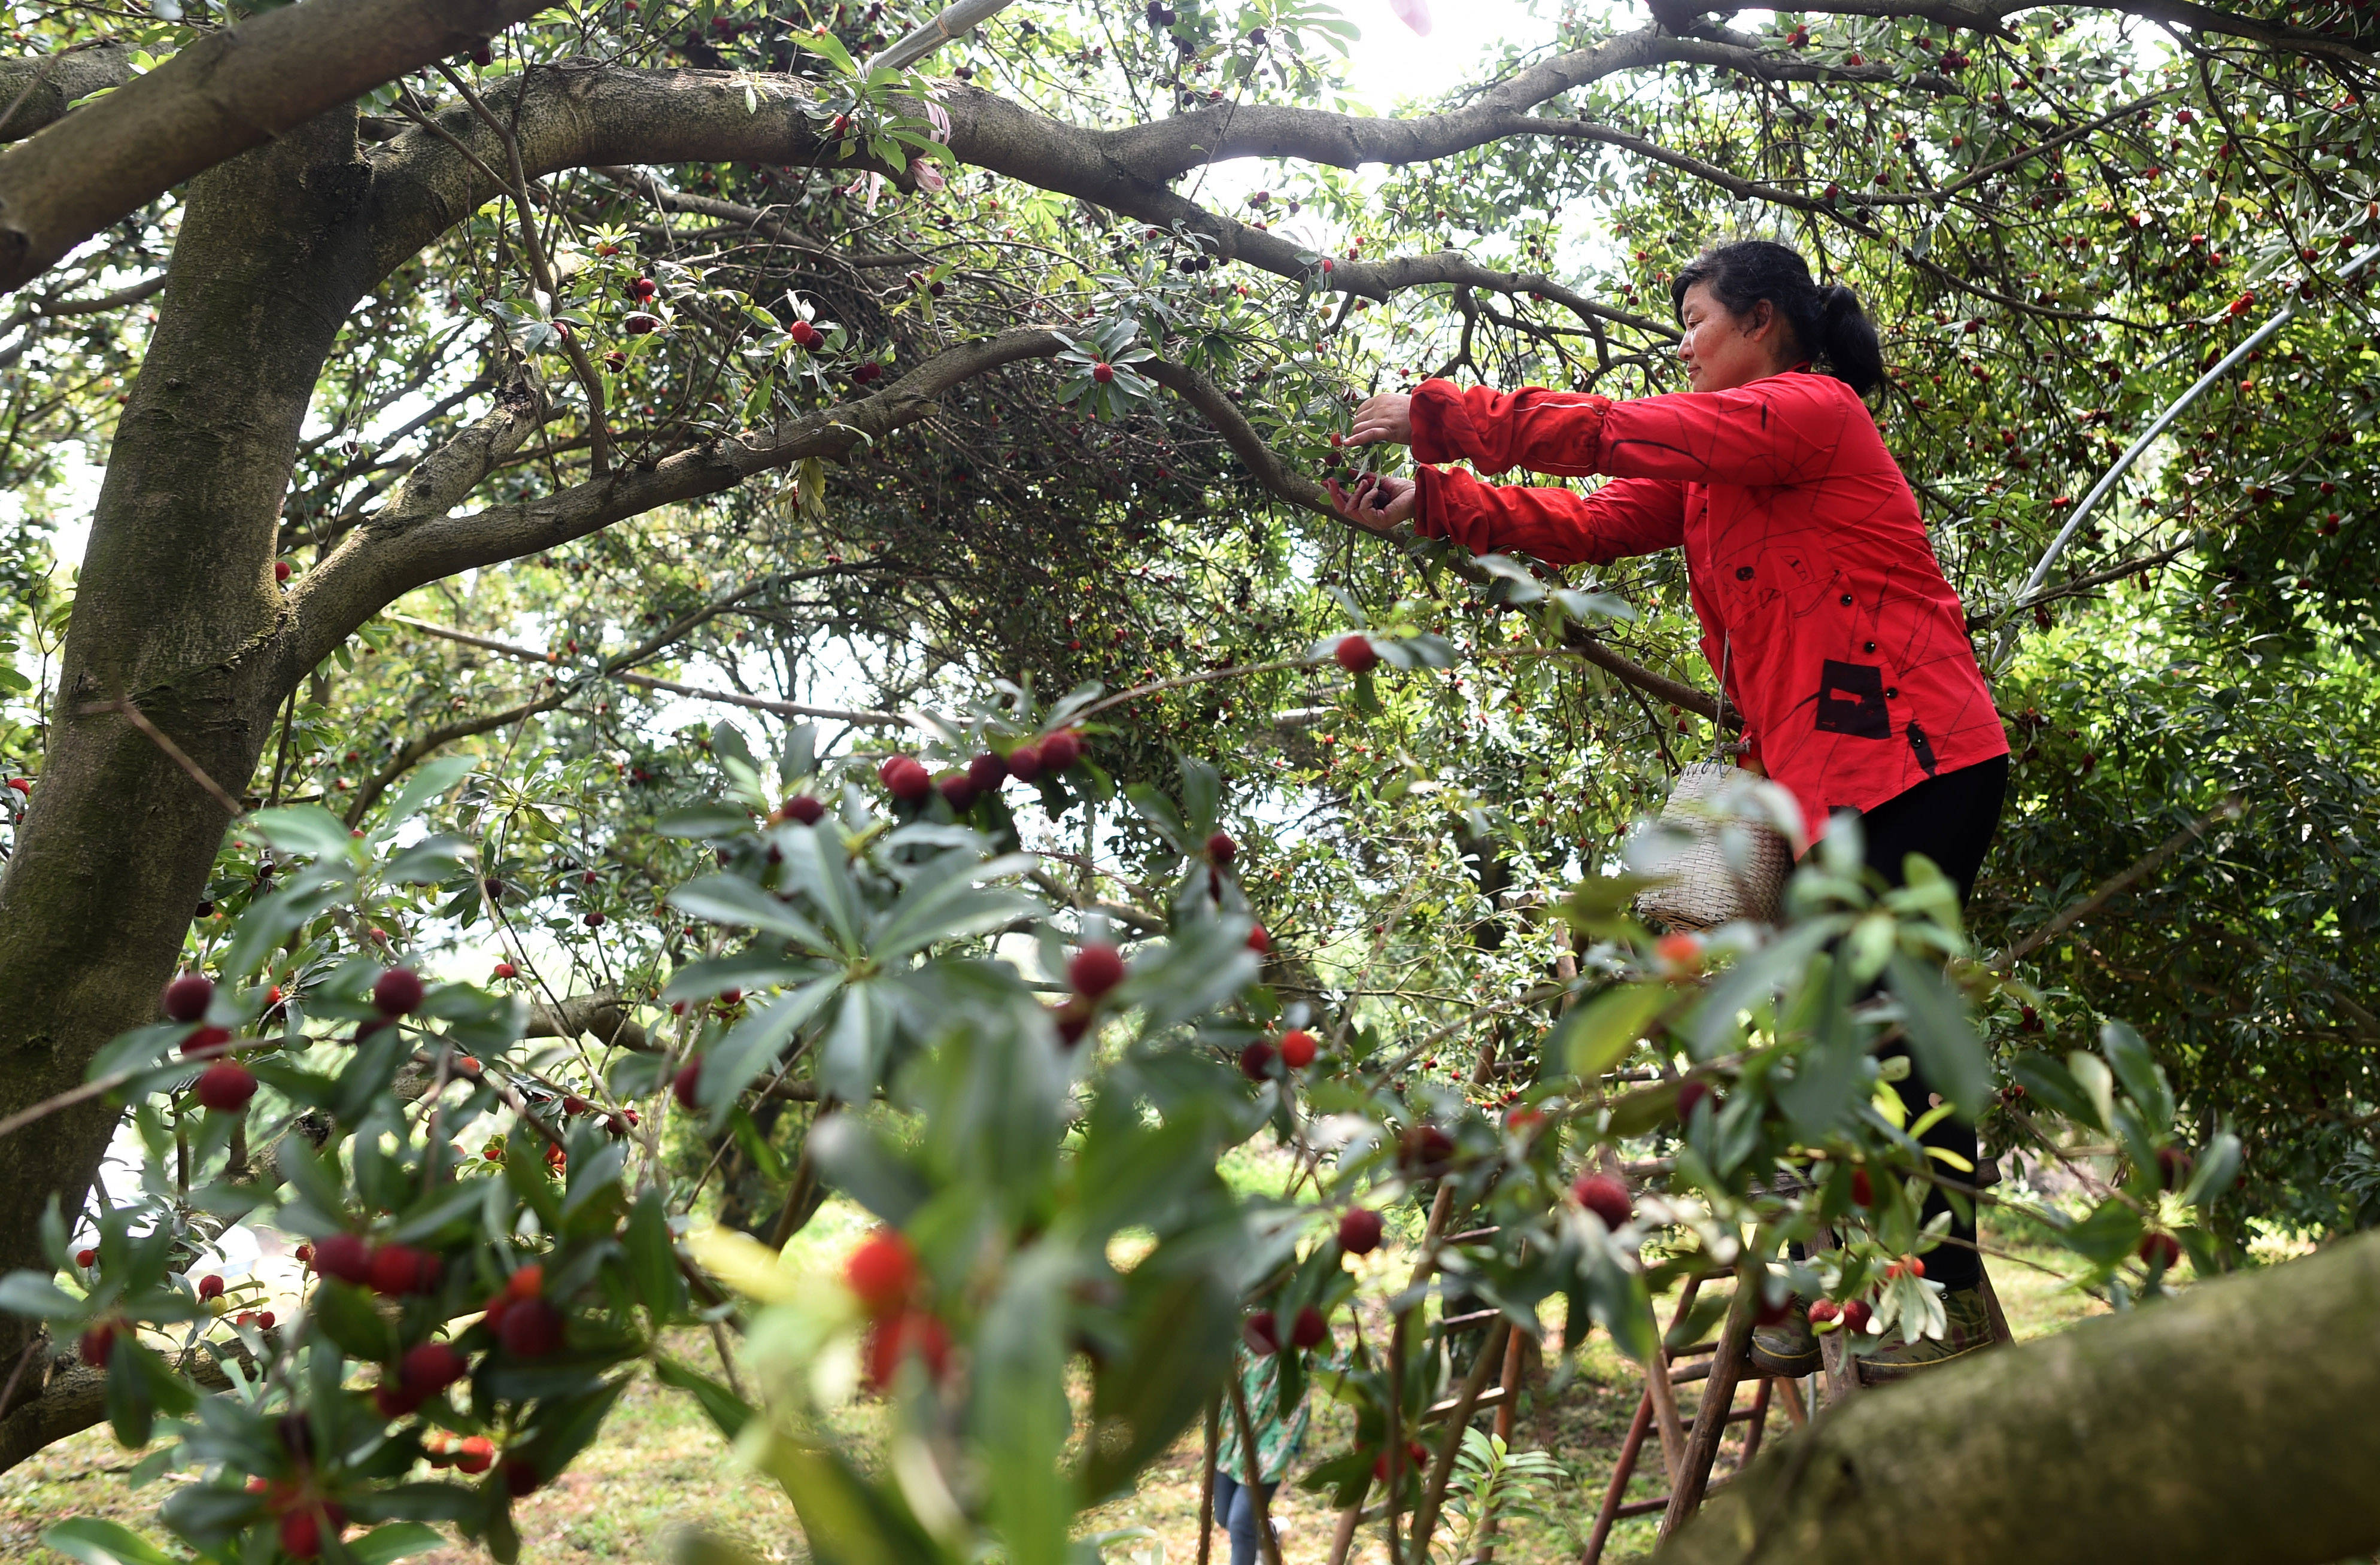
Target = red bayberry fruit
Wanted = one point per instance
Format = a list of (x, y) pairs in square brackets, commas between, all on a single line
[(1262, 1332), (867, 374), (1103, 373), (1359, 1230), (1256, 1061), (1259, 941), (431, 1368), (804, 809), (97, 1343), (1309, 1330), (1863, 1188), (638, 324), (1857, 1314), (1680, 953), (344, 1256), (2173, 1167), (400, 1268), (905, 779), (2161, 1250), (301, 1536), (1095, 970), (1061, 750), (593, 920), (1221, 849), (226, 1086), (1689, 1095), (531, 1328), (1297, 1048), (957, 791), (1025, 762), (805, 334), (187, 998), (206, 1041), (1356, 654), (264, 1320), (883, 1272), (398, 992), (528, 1282), (985, 772), (688, 1080), (912, 1334), (1416, 1455), (1824, 1311), (1424, 1148), (1770, 1314), (475, 1454), (86, 1257), (211, 1286), (1606, 1196), (281, 570)]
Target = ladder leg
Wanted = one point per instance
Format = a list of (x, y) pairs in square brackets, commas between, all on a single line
[(2000, 1332), (1759, 1421), (1593, 1554), (1665, 1395), (1795, 1409), (1710, 1420)]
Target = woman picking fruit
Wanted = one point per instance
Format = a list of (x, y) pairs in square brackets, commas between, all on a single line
[(1822, 607)]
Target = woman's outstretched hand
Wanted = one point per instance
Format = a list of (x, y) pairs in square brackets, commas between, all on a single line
[(1378, 502), (1385, 419)]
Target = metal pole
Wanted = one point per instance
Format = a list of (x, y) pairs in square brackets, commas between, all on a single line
[(2133, 453), (924, 40)]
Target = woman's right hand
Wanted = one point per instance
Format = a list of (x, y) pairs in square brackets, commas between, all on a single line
[(1378, 502), (1383, 419)]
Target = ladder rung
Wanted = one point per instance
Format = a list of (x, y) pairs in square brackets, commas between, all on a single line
[(1492, 1396)]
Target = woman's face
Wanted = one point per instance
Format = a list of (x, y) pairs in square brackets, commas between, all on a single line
[(1722, 350)]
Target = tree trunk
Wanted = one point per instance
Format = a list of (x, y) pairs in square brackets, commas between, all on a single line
[(2234, 1424), (177, 610)]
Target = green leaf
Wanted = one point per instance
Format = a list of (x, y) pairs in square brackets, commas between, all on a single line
[(1598, 1035), (723, 1407), (29, 1293), (306, 829), (705, 823), (726, 898), (652, 1257), (395, 1541), (429, 781), (753, 1044), (2046, 1080), (95, 1541), (1022, 1417), (1941, 1036)]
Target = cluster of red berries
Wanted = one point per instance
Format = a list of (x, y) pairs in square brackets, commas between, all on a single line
[(523, 1318), (907, 779), (1857, 1314), (885, 1277), (1262, 1329), (1093, 972), (395, 1270)]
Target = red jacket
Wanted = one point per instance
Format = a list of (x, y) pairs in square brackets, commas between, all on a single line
[(1849, 659)]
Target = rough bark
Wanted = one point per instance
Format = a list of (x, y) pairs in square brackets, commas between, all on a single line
[(231, 90), (36, 94), (176, 610), (2232, 1425)]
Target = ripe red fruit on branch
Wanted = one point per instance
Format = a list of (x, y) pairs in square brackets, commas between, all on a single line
[(531, 1328), (1863, 1188), (475, 1454), (431, 1368), (1680, 954), (211, 1286), (958, 790), (883, 1272), (1259, 941), (912, 1334), (1607, 1197), (985, 772), (905, 779), (1256, 1061), (1424, 1148), (2161, 1250), (640, 324), (528, 1282), (1359, 1230), (505, 970), (1309, 1330), (1025, 762), (1416, 1454), (1221, 849), (1691, 1094), (686, 1083), (804, 809), (1095, 969), (344, 1256), (1061, 750), (1297, 1048), (1769, 1314), (97, 1343), (1824, 1311), (226, 1086), (643, 288), (804, 334), (397, 992), (1356, 654), (1857, 1314), (400, 1268), (1262, 1332), (281, 570), (301, 1536), (206, 1041), (1103, 373), (867, 374), (187, 998), (86, 1259)]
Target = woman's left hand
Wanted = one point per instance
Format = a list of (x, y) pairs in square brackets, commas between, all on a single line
[(1378, 502)]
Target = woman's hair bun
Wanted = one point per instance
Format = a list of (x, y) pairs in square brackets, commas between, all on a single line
[(1830, 328)]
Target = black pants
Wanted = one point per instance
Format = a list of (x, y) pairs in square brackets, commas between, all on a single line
[(1950, 820)]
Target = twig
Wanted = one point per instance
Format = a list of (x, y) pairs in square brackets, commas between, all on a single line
[(133, 715), (2230, 808)]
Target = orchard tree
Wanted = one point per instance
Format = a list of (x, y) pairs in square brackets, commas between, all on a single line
[(600, 299)]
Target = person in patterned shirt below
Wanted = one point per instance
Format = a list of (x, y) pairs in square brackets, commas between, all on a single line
[(1278, 1439), (1818, 594)]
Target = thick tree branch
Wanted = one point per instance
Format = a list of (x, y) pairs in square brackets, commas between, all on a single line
[(439, 481), (2093, 1445), (37, 93), (232, 90)]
